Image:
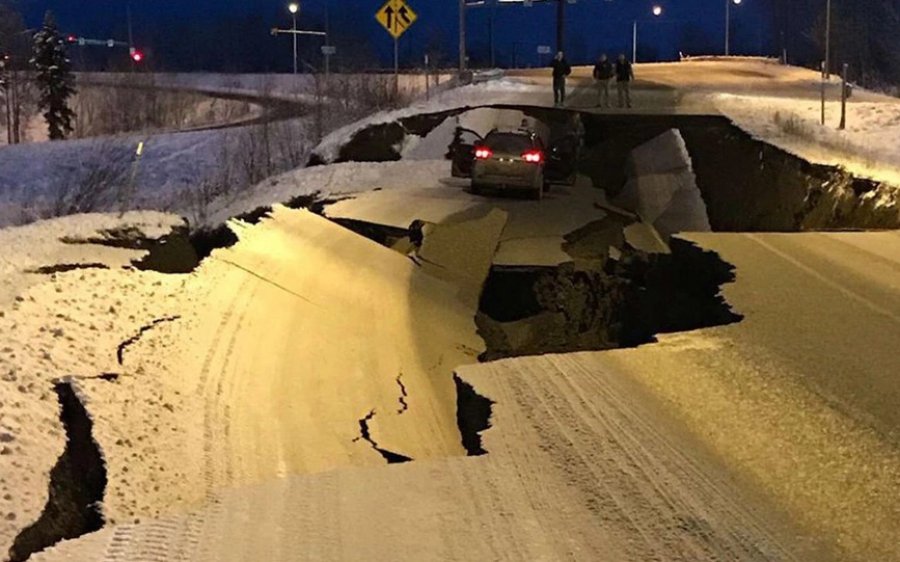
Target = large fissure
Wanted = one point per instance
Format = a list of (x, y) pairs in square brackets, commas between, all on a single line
[(123, 347), (366, 435), (586, 307), (77, 484), (65, 268), (172, 253), (473, 416), (404, 404), (206, 239)]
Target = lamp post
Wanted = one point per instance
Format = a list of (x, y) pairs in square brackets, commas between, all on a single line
[(293, 8), (728, 24), (656, 11)]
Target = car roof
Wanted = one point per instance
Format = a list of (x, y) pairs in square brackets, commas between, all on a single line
[(517, 131)]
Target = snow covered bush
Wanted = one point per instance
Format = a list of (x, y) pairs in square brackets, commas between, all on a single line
[(101, 181)]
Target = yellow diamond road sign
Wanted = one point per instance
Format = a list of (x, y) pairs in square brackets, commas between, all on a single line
[(396, 17)]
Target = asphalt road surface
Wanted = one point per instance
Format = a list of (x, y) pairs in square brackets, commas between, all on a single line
[(771, 439)]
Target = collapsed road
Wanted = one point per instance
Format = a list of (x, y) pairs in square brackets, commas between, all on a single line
[(260, 419)]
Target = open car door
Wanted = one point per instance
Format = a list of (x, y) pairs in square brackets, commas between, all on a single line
[(562, 158), (462, 152)]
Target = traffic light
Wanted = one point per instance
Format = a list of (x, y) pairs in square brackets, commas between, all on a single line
[(137, 56), (71, 39)]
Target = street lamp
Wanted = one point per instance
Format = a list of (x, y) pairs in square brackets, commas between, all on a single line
[(293, 8), (728, 24), (656, 11)]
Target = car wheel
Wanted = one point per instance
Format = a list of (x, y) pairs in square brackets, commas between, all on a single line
[(476, 189)]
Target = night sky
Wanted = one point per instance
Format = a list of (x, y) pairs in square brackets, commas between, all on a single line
[(233, 34)]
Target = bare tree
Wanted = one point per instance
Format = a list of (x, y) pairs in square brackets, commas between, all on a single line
[(15, 87)]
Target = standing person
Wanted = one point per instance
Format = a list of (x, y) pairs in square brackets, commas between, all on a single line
[(561, 69), (624, 77), (603, 74)]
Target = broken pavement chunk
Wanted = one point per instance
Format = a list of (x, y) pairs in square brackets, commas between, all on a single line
[(461, 249)]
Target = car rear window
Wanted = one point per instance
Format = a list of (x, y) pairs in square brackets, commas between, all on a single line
[(508, 142)]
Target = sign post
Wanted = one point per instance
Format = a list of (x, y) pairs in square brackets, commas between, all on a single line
[(328, 51), (845, 92), (823, 93), (396, 17), (542, 50)]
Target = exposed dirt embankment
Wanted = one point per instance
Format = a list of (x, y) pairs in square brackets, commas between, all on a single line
[(582, 306), (747, 185)]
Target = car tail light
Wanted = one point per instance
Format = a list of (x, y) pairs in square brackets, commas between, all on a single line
[(533, 156), (483, 153)]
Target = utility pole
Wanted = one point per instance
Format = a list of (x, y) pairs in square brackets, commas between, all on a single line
[(727, 27), (130, 37), (634, 43), (560, 25), (328, 44), (295, 33), (293, 8), (491, 31), (462, 37), (827, 69)]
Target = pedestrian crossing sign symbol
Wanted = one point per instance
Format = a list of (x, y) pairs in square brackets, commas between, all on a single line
[(396, 17)]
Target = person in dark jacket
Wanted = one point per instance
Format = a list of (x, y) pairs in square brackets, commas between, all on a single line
[(624, 77), (561, 69), (603, 74)]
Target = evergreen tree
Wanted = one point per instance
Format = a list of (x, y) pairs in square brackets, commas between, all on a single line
[(54, 78)]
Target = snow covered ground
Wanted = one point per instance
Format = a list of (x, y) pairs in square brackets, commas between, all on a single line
[(781, 105), (869, 147), (62, 307), (44, 245)]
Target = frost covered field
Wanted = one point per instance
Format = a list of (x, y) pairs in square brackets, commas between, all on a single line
[(183, 171), (189, 173)]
